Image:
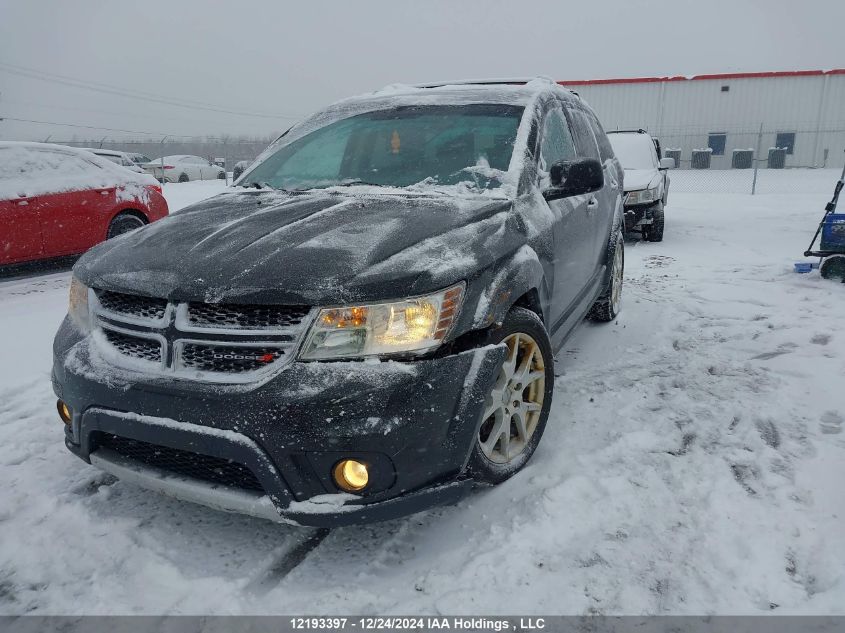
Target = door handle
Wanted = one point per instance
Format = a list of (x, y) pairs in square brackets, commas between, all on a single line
[(592, 204), (104, 193), (23, 203)]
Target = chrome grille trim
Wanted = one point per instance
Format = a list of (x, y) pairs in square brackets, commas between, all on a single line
[(98, 308), (144, 336), (174, 331)]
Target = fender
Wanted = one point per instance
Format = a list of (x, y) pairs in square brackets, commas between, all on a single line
[(517, 274)]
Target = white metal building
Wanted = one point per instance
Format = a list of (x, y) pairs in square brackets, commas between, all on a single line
[(803, 111)]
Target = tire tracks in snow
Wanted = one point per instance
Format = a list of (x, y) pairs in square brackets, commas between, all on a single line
[(285, 559)]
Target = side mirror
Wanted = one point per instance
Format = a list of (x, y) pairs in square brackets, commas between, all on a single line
[(574, 178), (667, 163)]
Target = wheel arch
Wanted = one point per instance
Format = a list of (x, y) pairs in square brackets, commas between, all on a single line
[(138, 213), (520, 280), (125, 211)]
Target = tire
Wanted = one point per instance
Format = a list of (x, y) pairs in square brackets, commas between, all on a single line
[(221, 175), (184, 178), (517, 408), (123, 223), (833, 267), (607, 306), (655, 231)]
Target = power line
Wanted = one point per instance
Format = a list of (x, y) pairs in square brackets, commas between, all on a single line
[(107, 129), (54, 106), (49, 77)]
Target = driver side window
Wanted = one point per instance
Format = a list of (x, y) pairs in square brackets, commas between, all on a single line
[(556, 143)]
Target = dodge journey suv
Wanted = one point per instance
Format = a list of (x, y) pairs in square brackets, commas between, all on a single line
[(365, 324)]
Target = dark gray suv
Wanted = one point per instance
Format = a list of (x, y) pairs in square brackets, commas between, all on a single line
[(366, 324)]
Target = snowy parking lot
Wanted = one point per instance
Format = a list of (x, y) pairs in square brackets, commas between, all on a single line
[(693, 462)]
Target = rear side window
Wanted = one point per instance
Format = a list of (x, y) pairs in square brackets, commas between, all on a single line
[(582, 130), (605, 149), (556, 143)]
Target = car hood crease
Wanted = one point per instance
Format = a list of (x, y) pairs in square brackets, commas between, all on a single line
[(316, 248)]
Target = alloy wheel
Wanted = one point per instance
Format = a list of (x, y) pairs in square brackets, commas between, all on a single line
[(512, 408), (616, 276)]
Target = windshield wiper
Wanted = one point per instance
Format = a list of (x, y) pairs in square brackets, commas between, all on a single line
[(353, 183), (262, 185)]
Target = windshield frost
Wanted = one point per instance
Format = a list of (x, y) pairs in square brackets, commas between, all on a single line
[(438, 145), (634, 151)]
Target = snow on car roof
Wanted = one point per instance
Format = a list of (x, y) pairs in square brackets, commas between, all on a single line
[(21, 157)]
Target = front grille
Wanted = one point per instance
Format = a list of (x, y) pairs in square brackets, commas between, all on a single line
[(132, 305), (205, 467), (134, 346), (246, 317), (190, 337), (234, 359)]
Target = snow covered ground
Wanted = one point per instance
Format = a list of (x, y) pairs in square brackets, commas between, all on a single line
[(693, 463)]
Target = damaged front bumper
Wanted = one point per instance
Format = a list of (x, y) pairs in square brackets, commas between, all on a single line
[(413, 422), (639, 215)]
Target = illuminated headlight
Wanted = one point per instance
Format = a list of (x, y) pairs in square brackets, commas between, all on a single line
[(78, 304), (644, 196), (410, 325)]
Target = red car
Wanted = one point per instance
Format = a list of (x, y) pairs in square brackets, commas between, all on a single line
[(57, 201)]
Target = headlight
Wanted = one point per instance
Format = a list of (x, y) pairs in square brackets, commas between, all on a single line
[(78, 305), (643, 196), (410, 325)]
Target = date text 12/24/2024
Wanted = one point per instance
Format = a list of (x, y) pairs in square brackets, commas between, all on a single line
[(398, 623)]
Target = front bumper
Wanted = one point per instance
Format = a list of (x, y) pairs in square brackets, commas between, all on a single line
[(639, 215), (414, 422)]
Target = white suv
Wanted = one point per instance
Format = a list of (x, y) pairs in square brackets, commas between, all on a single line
[(646, 181)]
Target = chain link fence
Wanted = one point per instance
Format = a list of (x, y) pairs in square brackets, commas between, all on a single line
[(760, 161)]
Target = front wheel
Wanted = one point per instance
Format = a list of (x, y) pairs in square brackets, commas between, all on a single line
[(607, 306), (833, 267), (517, 407), (655, 231)]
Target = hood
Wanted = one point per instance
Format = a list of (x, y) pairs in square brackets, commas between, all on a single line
[(317, 248), (636, 179)]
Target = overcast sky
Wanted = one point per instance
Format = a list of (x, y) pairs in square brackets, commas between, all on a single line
[(285, 60)]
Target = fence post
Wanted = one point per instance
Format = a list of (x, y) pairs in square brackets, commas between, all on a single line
[(757, 159)]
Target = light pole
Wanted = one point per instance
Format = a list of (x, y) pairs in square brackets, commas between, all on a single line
[(162, 157)]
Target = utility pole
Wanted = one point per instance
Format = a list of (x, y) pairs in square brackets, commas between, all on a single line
[(164, 138), (757, 159)]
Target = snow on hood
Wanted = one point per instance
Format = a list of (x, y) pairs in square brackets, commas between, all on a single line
[(316, 248), (636, 179), (20, 162)]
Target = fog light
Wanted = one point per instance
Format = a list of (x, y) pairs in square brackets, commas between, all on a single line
[(351, 475), (64, 412)]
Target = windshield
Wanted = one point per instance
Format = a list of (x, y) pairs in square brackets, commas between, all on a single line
[(634, 151), (438, 145)]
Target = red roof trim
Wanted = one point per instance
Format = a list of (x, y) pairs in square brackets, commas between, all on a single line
[(644, 80)]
